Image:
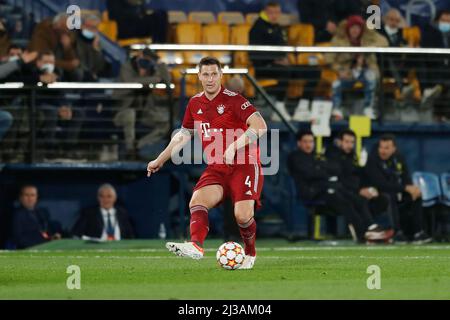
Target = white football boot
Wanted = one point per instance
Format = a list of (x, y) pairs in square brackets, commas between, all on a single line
[(186, 249), (248, 263)]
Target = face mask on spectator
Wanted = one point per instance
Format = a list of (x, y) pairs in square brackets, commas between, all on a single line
[(48, 68), (444, 27), (13, 58), (390, 31), (88, 34)]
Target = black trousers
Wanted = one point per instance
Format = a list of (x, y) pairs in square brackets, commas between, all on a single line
[(407, 214), (353, 207)]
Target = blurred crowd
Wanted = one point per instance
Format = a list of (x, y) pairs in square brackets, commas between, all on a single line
[(55, 53)]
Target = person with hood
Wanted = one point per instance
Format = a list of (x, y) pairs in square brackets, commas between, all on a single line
[(355, 67)]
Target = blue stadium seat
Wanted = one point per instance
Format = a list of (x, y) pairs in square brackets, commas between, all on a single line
[(445, 184), (429, 186)]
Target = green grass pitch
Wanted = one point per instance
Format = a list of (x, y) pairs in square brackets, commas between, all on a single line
[(144, 269)]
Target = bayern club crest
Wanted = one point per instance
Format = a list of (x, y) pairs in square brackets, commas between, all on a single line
[(220, 109)]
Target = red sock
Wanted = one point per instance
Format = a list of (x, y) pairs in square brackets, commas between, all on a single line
[(199, 224), (248, 234)]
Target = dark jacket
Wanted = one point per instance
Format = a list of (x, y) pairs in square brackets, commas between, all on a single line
[(92, 62), (350, 172), (395, 40), (311, 175), (28, 227), (266, 33), (390, 176), (90, 223), (317, 13)]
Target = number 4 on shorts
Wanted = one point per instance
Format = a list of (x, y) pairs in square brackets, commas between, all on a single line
[(248, 183)]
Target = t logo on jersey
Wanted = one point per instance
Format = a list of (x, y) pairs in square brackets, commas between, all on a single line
[(245, 105), (205, 129)]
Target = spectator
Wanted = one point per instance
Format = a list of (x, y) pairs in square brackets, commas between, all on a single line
[(57, 118), (398, 66), (436, 68), (236, 84), (154, 25), (31, 224), (386, 170), (317, 182), (54, 36), (88, 49), (4, 40), (321, 15), (10, 101), (145, 68), (106, 221), (353, 67), (352, 177), (267, 31)]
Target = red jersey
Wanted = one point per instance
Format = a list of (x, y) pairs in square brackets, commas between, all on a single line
[(219, 122)]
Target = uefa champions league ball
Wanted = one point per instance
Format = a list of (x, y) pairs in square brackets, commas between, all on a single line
[(230, 255)]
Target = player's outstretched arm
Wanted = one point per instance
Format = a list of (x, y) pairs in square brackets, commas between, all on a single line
[(257, 127), (177, 142)]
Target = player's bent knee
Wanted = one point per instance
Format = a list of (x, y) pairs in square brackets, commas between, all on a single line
[(208, 197), (244, 211)]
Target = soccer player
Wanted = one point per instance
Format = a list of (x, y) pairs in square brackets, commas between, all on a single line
[(229, 127)]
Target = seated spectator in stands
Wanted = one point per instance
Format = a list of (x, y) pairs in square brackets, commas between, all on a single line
[(105, 221), (236, 84), (351, 175), (59, 123), (436, 69), (146, 68), (11, 101), (88, 49), (318, 182), (32, 224), (14, 63), (267, 31), (4, 40), (386, 170), (399, 66), (321, 15), (154, 25), (355, 67), (54, 36)]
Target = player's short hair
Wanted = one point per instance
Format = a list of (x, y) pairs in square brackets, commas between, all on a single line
[(302, 133), (209, 61), (272, 4), (346, 132), (388, 137)]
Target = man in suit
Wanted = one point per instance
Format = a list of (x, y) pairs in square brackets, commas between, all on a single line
[(32, 225), (105, 221)]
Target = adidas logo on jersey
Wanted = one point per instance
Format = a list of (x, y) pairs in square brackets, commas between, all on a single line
[(199, 111), (249, 193), (229, 93)]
